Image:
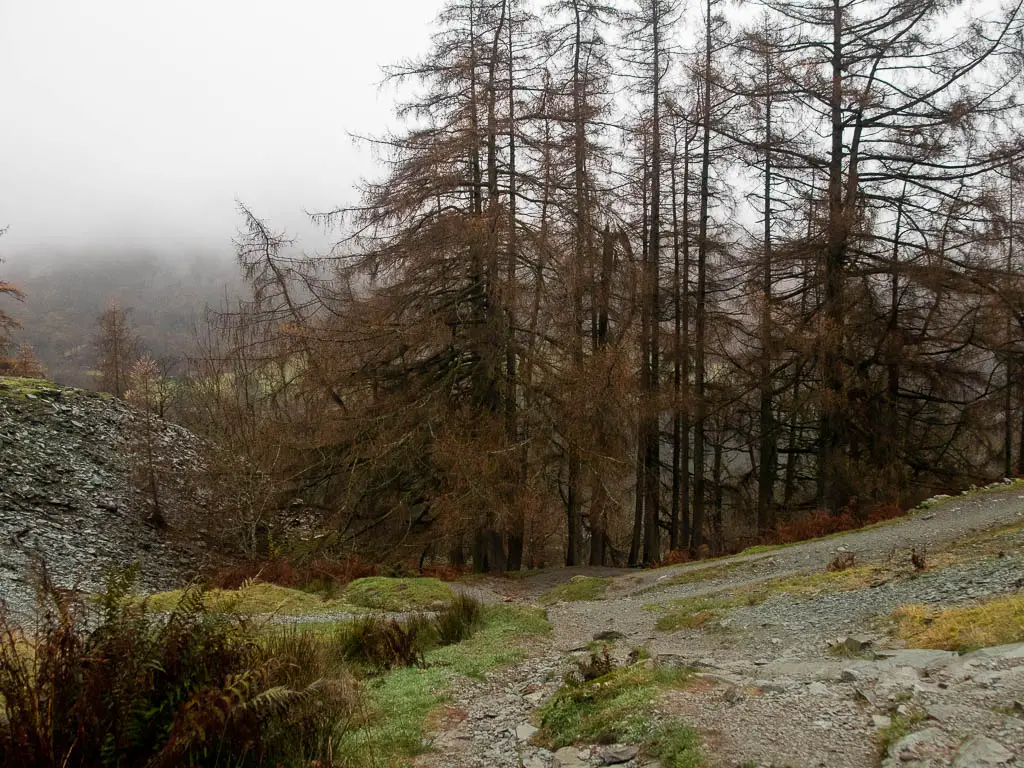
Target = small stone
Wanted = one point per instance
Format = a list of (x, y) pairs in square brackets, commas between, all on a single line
[(568, 757), (818, 689), (525, 731), (881, 721), (914, 746), (980, 751), (535, 761), (617, 753), (672, 660), (941, 712), (774, 686), (535, 698)]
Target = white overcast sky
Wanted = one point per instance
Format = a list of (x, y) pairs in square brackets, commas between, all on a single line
[(139, 122)]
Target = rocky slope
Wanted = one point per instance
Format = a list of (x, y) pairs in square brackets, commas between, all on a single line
[(67, 459), (771, 685)]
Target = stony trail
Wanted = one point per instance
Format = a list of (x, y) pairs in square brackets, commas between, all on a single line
[(769, 691)]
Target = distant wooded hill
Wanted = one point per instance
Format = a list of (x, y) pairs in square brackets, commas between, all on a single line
[(64, 296)]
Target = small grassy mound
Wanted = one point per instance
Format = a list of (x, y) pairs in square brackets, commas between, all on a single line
[(389, 594), (578, 589), (616, 707), (994, 622), (21, 388), (254, 599)]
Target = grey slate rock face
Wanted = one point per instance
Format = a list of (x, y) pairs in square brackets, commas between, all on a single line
[(66, 498), (981, 751)]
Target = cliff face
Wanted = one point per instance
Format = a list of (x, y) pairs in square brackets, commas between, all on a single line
[(67, 496)]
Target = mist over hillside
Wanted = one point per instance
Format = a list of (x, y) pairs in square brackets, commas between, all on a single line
[(65, 292)]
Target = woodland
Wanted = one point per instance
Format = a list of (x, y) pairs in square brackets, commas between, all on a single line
[(635, 281)]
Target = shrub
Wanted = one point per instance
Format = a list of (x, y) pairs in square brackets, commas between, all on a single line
[(324, 574), (675, 557), (443, 572), (816, 524), (113, 685), (458, 620), (597, 665), (919, 558), (842, 562), (382, 644)]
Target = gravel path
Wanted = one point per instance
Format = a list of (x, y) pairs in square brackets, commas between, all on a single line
[(770, 692)]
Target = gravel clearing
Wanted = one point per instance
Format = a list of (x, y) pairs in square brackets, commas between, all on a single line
[(769, 691)]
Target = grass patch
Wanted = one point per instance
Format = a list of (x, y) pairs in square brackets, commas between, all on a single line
[(758, 549), (498, 642), (676, 745), (389, 594), (616, 707), (813, 584), (255, 599), (22, 388), (901, 726), (993, 622), (361, 596), (578, 589), (389, 729), (694, 576), (693, 612)]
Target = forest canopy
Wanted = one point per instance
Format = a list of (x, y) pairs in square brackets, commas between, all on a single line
[(642, 276)]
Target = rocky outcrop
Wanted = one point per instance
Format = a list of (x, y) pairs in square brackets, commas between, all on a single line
[(67, 497)]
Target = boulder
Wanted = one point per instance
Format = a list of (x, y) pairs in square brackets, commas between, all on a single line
[(617, 753), (980, 751)]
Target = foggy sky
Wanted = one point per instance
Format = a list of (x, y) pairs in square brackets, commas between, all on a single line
[(139, 122)]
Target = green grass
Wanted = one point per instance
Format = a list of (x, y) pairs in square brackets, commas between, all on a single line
[(256, 599), (392, 723), (361, 596), (901, 726), (21, 388), (693, 612), (496, 644), (390, 594), (617, 707), (578, 589), (676, 745)]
